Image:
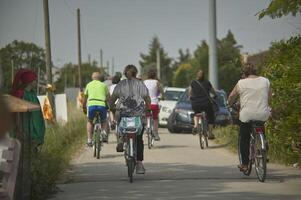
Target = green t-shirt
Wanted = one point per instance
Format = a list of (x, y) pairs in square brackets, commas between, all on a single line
[(96, 92)]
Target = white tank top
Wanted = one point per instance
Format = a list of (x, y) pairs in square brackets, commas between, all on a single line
[(153, 90), (254, 94)]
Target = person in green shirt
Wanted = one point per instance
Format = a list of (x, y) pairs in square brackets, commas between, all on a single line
[(96, 98)]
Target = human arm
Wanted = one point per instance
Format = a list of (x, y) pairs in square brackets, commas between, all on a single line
[(160, 90), (233, 95)]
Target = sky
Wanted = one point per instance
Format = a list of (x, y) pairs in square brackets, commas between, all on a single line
[(124, 28)]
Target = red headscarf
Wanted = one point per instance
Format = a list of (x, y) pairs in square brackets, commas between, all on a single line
[(22, 77)]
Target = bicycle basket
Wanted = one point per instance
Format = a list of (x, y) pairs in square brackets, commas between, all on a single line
[(130, 124)]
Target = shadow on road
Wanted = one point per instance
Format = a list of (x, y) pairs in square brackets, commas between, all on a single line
[(108, 180)]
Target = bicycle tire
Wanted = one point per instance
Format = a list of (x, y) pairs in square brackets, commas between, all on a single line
[(98, 144), (131, 168), (149, 138), (260, 157), (94, 148)]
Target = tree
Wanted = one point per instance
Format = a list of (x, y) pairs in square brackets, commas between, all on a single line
[(279, 8), (69, 75), (149, 61), (22, 55), (182, 76)]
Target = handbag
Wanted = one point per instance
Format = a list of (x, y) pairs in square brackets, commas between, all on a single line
[(212, 101)]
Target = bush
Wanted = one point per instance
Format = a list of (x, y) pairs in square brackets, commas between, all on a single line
[(61, 142), (284, 71)]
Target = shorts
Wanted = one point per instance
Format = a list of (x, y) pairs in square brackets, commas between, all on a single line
[(155, 111), (102, 111), (207, 109)]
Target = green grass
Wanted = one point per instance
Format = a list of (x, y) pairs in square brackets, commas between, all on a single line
[(227, 135), (61, 143)]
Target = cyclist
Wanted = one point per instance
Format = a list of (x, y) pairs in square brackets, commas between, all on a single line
[(115, 81), (133, 100), (155, 89), (96, 97), (254, 95), (199, 92)]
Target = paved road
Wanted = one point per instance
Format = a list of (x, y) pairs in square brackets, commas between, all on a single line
[(176, 169)]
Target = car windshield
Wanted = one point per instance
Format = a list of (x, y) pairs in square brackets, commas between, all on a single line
[(172, 95), (221, 98)]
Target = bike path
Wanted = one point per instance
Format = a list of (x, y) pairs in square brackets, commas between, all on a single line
[(176, 169)]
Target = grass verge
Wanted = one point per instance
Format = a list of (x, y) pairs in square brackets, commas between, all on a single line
[(61, 142)]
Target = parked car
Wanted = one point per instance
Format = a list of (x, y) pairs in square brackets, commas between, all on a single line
[(181, 118), (171, 95)]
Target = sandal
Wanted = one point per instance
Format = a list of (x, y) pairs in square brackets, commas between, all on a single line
[(242, 168)]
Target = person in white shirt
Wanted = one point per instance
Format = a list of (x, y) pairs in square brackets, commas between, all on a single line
[(115, 81), (254, 96), (155, 89)]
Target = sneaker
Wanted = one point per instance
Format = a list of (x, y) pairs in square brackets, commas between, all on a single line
[(157, 137), (194, 130), (119, 147), (140, 168)]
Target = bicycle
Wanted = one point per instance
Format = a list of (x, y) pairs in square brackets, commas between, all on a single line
[(149, 130), (98, 136), (257, 152), (128, 129), (202, 129)]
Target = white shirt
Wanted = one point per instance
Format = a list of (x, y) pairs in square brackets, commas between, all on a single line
[(254, 95), (153, 90), (112, 87)]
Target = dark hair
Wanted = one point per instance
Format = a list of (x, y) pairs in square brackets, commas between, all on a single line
[(152, 74), (130, 71), (199, 77), (115, 79), (249, 69)]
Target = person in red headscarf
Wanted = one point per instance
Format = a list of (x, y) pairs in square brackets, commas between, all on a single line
[(24, 85)]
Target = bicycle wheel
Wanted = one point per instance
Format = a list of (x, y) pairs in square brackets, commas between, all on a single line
[(131, 168), (248, 172), (205, 133), (260, 157), (201, 137), (98, 143), (149, 138)]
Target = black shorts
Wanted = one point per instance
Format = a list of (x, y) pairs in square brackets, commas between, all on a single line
[(207, 109)]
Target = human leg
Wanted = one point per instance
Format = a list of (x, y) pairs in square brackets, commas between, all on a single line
[(140, 154), (245, 134), (155, 113)]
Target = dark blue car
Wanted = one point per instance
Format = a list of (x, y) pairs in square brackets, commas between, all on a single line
[(181, 118)]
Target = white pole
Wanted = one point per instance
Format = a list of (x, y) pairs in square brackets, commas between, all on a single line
[(213, 74), (158, 64)]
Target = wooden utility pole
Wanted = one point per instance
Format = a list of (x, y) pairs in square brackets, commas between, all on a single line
[(113, 63), (79, 49), (47, 42), (101, 59)]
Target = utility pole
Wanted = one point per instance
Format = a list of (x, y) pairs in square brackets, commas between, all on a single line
[(158, 64), (47, 42), (213, 74), (89, 59), (101, 59), (108, 67), (113, 63), (79, 50)]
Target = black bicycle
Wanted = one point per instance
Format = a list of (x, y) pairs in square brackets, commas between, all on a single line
[(202, 129), (258, 151)]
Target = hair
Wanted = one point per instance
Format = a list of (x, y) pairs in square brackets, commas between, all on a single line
[(152, 74), (249, 69), (95, 76), (130, 71), (200, 75), (115, 79)]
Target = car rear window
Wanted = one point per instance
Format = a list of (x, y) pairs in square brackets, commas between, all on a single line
[(172, 95)]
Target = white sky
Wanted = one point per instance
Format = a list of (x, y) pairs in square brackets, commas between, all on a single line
[(124, 28)]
